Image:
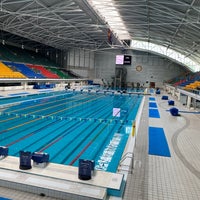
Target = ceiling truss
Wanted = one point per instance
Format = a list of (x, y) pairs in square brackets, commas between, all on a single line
[(64, 24)]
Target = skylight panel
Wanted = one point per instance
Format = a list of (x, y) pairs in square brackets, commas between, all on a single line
[(170, 53), (108, 10)]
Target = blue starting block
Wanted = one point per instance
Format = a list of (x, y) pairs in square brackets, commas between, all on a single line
[(25, 160), (3, 152), (174, 111), (40, 159), (85, 169), (164, 97), (171, 103)]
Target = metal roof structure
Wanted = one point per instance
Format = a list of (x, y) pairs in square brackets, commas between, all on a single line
[(63, 24)]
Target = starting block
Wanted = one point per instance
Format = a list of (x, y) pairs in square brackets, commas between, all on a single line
[(40, 159)]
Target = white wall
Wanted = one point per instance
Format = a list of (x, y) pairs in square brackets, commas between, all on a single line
[(105, 65), (80, 58), (81, 62), (102, 65), (154, 68)]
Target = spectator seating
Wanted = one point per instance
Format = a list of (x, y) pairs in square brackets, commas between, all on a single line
[(185, 79), (39, 65), (24, 69), (58, 71), (192, 86), (7, 72), (43, 71), (19, 55)]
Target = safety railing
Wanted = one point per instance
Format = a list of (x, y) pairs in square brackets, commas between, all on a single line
[(127, 166)]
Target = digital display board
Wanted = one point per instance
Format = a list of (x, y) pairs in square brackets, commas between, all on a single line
[(123, 60), (127, 60), (119, 60)]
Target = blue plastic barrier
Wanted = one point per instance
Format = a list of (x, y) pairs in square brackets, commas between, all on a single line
[(174, 112), (171, 103), (44, 86), (164, 97)]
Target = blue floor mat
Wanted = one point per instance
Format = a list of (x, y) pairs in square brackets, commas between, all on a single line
[(157, 142), (45, 90), (151, 91), (152, 99), (18, 94), (153, 105), (2, 198), (154, 113)]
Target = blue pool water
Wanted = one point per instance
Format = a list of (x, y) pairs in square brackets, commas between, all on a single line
[(69, 126)]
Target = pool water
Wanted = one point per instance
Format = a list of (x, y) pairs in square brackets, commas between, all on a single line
[(69, 125)]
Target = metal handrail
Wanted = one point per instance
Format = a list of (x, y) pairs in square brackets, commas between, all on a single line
[(125, 156)]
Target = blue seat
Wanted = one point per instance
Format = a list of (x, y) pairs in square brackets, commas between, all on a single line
[(24, 69)]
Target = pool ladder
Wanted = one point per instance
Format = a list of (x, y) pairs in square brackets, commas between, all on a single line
[(129, 168)]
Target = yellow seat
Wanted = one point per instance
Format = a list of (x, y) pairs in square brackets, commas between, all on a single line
[(7, 72)]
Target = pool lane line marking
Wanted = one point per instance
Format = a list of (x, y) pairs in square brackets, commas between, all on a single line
[(60, 105), (53, 142), (80, 141), (26, 136), (45, 103), (29, 113), (33, 99), (52, 107), (5, 120), (30, 134), (64, 131), (3, 131), (17, 126), (76, 105), (84, 149), (61, 137)]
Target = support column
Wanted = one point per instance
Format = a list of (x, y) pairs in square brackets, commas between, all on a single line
[(173, 92), (189, 101), (24, 84), (179, 96)]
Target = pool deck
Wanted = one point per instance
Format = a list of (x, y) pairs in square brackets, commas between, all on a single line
[(154, 177), (167, 178), (55, 178)]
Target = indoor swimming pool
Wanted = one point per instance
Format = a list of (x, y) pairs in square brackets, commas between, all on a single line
[(69, 125)]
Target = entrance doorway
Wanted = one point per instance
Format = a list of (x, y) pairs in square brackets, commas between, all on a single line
[(152, 84)]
